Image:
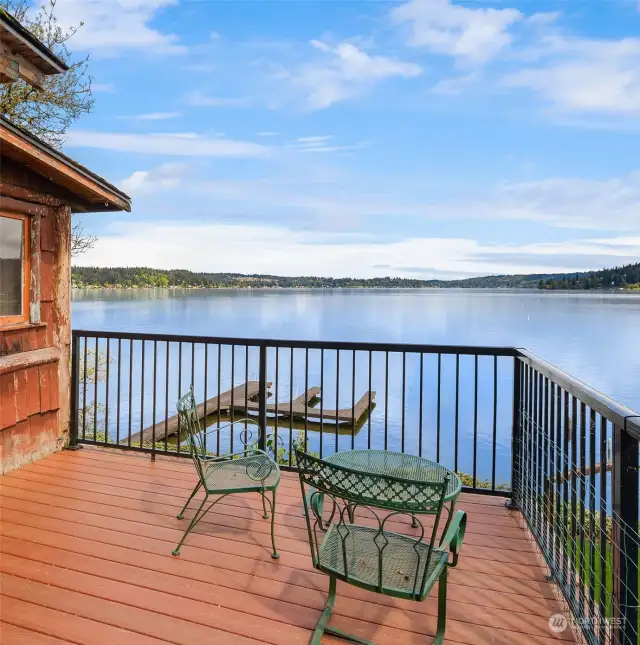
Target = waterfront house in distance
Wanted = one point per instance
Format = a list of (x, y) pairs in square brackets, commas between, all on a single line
[(39, 190)]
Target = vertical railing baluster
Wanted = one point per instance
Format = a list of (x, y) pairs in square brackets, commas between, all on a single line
[(306, 400), (603, 595), (456, 422), (370, 414), (438, 404), (592, 514), (142, 395), (179, 394), (233, 395), (337, 395), (106, 393), (386, 401), (84, 391), (130, 383), (574, 494), (246, 393), (262, 389), (321, 401), (276, 416), (155, 387), (206, 396), (291, 373), (218, 411), (420, 405), (545, 466), (353, 401), (475, 422), (494, 439), (566, 569), (119, 379), (404, 395), (552, 472), (96, 370), (583, 493), (74, 392), (166, 396), (625, 498), (516, 430)]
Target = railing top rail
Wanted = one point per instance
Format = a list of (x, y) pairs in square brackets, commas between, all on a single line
[(303, 344), (617, 413)]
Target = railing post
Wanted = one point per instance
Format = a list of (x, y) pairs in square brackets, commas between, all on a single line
[(625, 536), (262, 398), (74, 394), (515, 433)]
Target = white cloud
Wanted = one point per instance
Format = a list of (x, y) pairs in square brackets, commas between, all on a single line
[(114, 26), (200, 99), (279, 250), (168, 176), (178, 144), (344, 71), (473, 35), (611, 204), (606, 204), (151, 116), (583, 75)]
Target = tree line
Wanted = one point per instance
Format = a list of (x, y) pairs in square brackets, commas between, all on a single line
[(138, 277), (624, 277)]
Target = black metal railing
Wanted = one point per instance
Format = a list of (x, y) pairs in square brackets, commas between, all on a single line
[(452, 404), (576, 483), (508, 422)]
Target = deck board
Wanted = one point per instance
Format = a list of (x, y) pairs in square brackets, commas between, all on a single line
[(86, 539)]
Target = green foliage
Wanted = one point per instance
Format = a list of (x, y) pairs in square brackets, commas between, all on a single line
[(49, 112), (624, 277), (141, 277)]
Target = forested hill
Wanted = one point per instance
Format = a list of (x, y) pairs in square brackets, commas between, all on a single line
[(133, 277)]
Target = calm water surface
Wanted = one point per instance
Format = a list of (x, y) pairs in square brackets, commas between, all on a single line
[(594, 337)]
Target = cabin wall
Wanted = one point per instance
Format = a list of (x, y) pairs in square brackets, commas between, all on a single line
[(35, 356)]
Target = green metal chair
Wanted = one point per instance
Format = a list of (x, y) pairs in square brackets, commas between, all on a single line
[(350, 540), (249, 471)]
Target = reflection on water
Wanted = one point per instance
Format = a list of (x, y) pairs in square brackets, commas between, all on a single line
[(592, 336)]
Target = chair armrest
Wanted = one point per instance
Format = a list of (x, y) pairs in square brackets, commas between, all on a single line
[(455, 536)]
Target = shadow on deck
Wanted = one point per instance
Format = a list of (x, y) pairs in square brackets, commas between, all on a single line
[(86, 540)]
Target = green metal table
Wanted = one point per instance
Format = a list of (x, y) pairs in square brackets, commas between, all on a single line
[(400, 465)]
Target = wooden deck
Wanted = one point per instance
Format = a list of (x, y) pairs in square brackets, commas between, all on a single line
[(86, 540)]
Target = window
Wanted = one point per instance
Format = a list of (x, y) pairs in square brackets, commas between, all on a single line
[(14, 268)]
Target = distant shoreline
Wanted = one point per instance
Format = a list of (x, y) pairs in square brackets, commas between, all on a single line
[(130, 278), (127, 289)]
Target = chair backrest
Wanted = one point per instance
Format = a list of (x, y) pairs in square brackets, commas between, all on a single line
[(349, 491), (189, 421)]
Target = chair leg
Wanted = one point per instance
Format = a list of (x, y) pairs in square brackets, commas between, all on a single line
[(265, 515), (275, 555), (184, 508), (322, 626), (196, 518), (442, 607)]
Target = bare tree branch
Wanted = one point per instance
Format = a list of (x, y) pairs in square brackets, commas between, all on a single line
[(81, 243)]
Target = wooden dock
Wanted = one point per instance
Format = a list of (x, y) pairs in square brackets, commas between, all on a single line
[(299, 408), (169, 427), (242, 400)]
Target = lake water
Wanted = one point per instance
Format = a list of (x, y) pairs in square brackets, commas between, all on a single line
[(593, 336)]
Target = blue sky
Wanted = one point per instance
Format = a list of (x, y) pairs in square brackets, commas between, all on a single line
[(429, 138)]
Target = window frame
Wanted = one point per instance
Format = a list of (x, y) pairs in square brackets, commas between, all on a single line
[(24, 316)]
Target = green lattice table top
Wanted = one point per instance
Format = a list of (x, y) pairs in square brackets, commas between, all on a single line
[(399, 465)]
